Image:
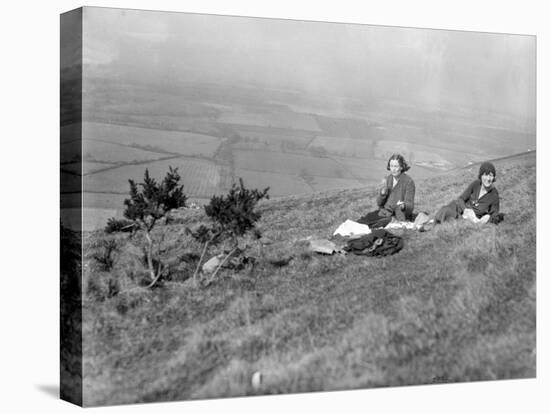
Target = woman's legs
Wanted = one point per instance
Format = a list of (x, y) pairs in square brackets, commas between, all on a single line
[(374, 220), (446, 213)]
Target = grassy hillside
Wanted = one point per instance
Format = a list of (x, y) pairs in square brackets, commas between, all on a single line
[(456, 304)]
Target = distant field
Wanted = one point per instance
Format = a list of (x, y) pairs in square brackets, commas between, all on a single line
[(349, 128), (96, 209), (183, 143), (291, 120), (105, 200), (419, 153), (203, 125), (345, 147), (288, 163), (90, 219), (299, 139), (454, 137), (373, 170), (162, 104), (116, 153), (321, 184), (200, 177), (279, 184), (366, 170), (422, 153)]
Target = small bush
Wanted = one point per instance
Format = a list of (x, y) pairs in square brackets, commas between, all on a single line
[(233, 216), (150, 202), (105, 255)]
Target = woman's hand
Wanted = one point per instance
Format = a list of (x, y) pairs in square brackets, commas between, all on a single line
[(400, 204)]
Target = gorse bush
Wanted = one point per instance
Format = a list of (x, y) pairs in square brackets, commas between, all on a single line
[(233, 215), (149, 202)]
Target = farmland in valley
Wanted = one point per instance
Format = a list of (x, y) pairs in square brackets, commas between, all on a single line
[(201, 177), (321, 184), (349, 128), (279, 139), (279, 184), (364, 170), (289, 163), (107, 152), (345, 147), (290, 120), (173, 142)]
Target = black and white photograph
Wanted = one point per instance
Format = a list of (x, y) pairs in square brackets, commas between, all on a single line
[(271, 206), (312, 208)]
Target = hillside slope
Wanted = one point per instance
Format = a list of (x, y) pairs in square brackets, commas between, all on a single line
[(456, 304)]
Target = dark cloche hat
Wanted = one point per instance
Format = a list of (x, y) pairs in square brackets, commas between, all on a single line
[(486, 168)]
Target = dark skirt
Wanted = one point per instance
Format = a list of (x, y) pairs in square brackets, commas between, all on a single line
[(449, 212), (375, 220)]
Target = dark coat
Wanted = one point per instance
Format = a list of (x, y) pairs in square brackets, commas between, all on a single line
[(403, 191), (489, 203)]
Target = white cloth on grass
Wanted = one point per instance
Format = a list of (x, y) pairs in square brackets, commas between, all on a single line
[(352, 228), (471, 216)]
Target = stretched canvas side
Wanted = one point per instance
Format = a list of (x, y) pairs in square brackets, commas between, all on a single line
[(71, 207)]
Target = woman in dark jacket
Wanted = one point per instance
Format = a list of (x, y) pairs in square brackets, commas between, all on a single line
[(395, 198), (480, 196)]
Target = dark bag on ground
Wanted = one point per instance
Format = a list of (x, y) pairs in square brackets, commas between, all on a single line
[(378, 243), (497, 218)]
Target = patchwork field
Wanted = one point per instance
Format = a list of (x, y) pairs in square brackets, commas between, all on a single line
[(345, 147), (276, 137), (159, 104), (448, 137), (279, 184), (349, 128), (203, 125), (289, 164), (373, 170), (174, 142), (200, 177), (321, 184), (290, 120), (100, 151), (281, 139), (365, 170)]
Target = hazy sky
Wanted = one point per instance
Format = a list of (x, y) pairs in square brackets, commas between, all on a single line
[(429, 67)]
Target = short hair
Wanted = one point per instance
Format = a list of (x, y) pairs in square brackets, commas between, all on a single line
[(487, 168), (402, 163)]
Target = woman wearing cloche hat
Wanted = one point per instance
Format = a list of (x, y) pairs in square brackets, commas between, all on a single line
[(481, 197)]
